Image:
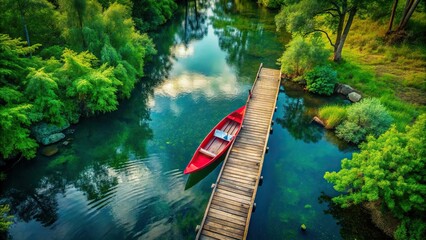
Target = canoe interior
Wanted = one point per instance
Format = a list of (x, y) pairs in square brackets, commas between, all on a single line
[(213, 147)]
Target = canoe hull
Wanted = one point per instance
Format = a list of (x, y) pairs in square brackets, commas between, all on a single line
[(217, 141)]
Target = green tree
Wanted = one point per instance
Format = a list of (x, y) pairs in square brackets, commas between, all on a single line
[(32, 20), (390, 168), (111, 36), (270, 3), (93, 88), (15, 111), (302, 55), (410, 6), (321, 80), (42, 88), (149, 14), (13, 64), (14, 122), (367, 117), (308, 16)]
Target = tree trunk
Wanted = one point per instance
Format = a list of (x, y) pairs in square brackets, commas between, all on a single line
[(27, 35), (338, 52), (406, 8), (339, 30), (80, 23), (392, 17), (21, 7), (407, 14)]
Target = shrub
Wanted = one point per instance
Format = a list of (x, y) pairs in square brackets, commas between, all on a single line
[(367, 117), (332, 115), (302, 55), (321, 80)]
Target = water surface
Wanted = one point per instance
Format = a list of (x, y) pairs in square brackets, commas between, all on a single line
[(121, 175)]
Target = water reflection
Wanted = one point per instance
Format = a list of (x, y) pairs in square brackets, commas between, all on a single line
[(38, 203), (199, 84), (298, 123), (195, 22), (354, 224), (196, 177), (245, 32), (121, 175)]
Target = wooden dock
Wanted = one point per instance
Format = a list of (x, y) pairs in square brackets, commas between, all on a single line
[(228, 212)]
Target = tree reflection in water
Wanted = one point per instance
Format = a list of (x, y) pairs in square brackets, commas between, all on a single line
[(298, 122), (245, 31), (191, 23), (353, 221), (195, 22), (38, 203), (99, 150)]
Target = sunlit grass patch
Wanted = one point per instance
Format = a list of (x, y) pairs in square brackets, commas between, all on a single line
[(332, 115)]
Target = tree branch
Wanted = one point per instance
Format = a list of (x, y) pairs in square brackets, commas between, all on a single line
[(319, 30), (337, 6), (332, 14)]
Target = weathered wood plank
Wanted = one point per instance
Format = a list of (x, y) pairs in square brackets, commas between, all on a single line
[(225, 230), (229, 210), (226, 209), (236, 187), (231, 197), (235, 190), (251, 186), (225, 222), (204, 237), (237, 179), (215, 235), (228, 215), (230, 202), (230, 175)]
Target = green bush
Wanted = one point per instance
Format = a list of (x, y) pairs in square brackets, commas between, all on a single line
[(410, 229), (367, 117), (302, 54), (332, 115), (321, 80), (390, 169)]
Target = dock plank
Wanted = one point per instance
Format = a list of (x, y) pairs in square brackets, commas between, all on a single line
[(228, 212)]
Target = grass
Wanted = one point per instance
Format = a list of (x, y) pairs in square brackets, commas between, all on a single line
[(332, 115), (393, 73)]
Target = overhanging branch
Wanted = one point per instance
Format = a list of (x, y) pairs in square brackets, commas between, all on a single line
[(319, 30)]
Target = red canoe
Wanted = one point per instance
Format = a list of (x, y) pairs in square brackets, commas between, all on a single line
[(217, 141)]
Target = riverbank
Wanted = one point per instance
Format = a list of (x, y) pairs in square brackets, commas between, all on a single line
[(393, 73)]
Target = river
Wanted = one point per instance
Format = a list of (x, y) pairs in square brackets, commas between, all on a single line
[(121, 175)]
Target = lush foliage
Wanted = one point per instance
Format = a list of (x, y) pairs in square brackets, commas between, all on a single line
[(321, 80), (5, 218), (270, 3), (332, 115), (302, 55), (15, 112), (149, 14), (103, 57), (308, 16), (367, 117), (32, 20), (390, 168)]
